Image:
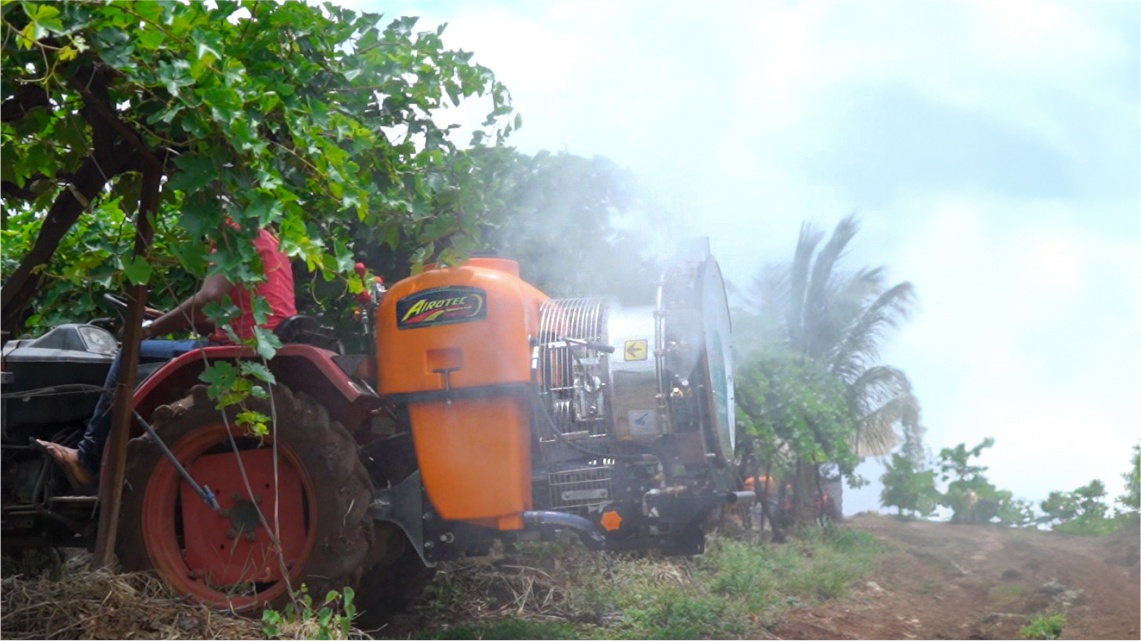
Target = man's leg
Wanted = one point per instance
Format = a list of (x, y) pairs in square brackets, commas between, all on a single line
[(82, 463)]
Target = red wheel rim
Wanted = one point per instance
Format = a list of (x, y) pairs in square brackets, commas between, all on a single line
[(228, 559)]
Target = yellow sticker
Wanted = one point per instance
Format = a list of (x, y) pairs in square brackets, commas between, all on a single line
[(637, 350)]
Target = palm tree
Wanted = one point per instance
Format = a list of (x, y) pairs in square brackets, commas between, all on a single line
[(839, 319)]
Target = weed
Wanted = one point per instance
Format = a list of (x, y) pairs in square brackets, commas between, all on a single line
[(1044, 627), (446, 593), (822, 562), (333, 619), (684, 614), (741, 570), (555, 591), (1007, 590)]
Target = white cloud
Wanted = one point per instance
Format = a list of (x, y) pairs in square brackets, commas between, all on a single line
[(1050, 263), (1030, 332)]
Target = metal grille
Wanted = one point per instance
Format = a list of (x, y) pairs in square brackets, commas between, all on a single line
[(580, 490), (569, 371)]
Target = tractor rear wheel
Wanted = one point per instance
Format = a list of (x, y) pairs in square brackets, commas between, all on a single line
[(294, 505)]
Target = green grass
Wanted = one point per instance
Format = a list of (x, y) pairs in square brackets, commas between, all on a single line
[(562, 591), (1044, 627), (1007, 590)]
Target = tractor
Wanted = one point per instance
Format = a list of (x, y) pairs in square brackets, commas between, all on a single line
[(488, 412)]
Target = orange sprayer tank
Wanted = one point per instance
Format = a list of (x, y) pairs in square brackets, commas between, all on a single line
[(454, 344)]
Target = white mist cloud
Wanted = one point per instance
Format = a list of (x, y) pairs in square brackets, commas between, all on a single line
[(990, 149), (1030, 332)]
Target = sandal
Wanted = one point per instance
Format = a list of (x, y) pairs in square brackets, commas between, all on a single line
[(68, 459)]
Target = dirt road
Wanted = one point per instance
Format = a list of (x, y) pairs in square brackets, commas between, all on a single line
[(959, 581)]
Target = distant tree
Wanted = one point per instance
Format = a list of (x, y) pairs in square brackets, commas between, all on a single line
[(908, 489), (1085, 510), (1059, 507), (793, 419), (970, 496), (832, 323), (1081, 511), (1017, 513), (839, 320), (956, 461), (1131, 500)]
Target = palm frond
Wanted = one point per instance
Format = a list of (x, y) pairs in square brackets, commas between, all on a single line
[(826, 260), (843, 301), (839, 318), (759, 322), (769, 289), (876, 433), (859, 347), (795, 309), (818, 315), (874, 387)]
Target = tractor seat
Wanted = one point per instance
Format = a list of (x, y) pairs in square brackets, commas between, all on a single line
[(307, 330)]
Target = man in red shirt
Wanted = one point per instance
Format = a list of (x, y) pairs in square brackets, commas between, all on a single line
[(83, 462)]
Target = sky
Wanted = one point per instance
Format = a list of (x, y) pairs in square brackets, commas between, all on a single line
[(991, 150)]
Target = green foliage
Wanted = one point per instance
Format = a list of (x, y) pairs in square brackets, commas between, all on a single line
[(971, 497), (907, 488), (1017, 513), (796, 410), (837, 319), (679, 613), (741, 572), (90, 262), (955, 461), (792, 421), (1044, 627), (1081, 511), (331, 619), (1131, 500), (976, 500), (315, 121), (736, 584), (828, 561), (810, 391)]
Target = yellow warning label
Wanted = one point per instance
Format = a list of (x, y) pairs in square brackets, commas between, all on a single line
[(637, 350)]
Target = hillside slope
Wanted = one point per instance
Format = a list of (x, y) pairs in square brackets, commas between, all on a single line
[(958, 581)]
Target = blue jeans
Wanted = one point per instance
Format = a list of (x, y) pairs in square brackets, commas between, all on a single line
[(99, 427)]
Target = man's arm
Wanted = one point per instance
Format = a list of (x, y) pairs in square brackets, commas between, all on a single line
[(189, 313)]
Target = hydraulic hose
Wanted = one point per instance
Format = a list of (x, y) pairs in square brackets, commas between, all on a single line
[(201, 490), (581, 526)]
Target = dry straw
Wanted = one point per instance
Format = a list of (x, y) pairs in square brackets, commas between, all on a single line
[(81, 602)]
